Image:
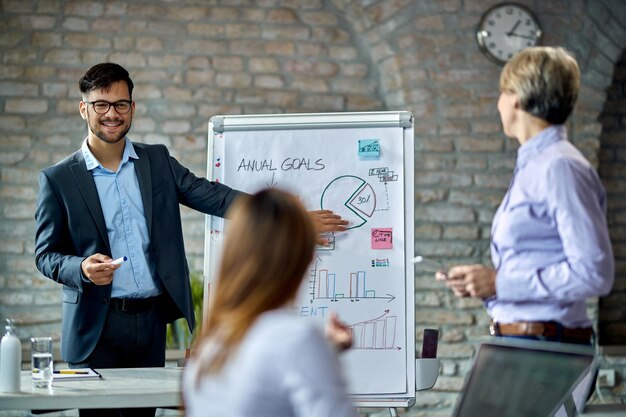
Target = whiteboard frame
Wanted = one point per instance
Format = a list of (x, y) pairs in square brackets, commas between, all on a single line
[(212, 247)]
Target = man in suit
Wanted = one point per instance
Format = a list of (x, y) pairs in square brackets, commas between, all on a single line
[(113, 199)]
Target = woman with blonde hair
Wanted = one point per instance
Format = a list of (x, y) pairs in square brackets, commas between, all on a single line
[(550, 243), (257, 358)]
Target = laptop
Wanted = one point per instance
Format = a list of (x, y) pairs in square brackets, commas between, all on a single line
[(526, 378)]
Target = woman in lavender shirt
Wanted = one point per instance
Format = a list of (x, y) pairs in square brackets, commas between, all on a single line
[(550, 244)]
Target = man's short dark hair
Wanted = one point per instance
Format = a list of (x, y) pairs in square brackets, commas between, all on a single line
[(102, 76)]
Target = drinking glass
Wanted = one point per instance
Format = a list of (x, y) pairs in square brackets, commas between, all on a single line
[(41, 361)]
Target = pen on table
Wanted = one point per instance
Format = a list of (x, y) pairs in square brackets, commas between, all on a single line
[(119, 260), (70, 372)]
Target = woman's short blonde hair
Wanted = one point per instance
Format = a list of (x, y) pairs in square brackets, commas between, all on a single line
[(546, 81)]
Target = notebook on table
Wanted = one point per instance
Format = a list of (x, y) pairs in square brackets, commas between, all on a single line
[(526, 378), (75, 374)]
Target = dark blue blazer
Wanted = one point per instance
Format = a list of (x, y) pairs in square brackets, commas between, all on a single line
[(70, 227)]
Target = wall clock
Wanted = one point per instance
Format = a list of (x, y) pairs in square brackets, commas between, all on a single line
[(506, 29)]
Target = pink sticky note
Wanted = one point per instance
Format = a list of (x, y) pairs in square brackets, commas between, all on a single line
[(382, 238)]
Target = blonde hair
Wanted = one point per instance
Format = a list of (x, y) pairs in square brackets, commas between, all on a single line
[(546, 81), (268, 246)]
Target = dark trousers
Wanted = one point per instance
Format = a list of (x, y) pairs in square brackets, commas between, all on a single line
[(131, 338)]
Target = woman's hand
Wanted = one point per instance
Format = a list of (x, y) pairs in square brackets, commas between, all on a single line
[(470, 281), (337, 333)]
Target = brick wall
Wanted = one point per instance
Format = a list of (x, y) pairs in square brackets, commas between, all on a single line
[(612, 323), (613, 172), (191, 60)]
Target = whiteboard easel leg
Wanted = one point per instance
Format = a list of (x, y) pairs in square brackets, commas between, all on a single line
[(393, 412)]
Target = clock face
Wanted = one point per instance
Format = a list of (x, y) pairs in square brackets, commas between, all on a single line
[(506, 29)]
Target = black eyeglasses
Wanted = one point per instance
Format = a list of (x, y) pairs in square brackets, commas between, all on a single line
[(102, 106)]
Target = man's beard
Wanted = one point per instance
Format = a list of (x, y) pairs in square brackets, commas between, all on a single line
[(103, 137)]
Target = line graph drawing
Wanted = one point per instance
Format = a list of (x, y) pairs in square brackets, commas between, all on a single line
[(377, 333)]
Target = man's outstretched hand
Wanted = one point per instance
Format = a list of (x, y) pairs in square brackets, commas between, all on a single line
[(327, 221)]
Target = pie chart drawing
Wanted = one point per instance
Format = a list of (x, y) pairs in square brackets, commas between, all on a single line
[(350, 197)]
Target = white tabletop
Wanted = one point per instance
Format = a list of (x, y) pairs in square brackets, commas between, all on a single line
[(118, 388)]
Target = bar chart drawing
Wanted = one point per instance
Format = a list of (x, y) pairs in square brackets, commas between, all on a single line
[(378, 333), (324, 285)]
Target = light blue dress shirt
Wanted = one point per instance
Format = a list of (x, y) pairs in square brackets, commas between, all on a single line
[(122, 206), (550, 240)]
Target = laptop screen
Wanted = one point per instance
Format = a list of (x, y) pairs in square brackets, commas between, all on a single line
[(511, 378)]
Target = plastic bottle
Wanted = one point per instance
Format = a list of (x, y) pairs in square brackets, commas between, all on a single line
[(10, 360)]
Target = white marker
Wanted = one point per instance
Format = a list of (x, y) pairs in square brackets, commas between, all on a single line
[(429, 264), (119, 260)]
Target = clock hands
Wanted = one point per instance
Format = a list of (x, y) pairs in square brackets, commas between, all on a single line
[(512, 31), (522, 36), (518, 35)]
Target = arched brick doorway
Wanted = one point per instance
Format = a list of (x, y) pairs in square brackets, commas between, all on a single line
[(612, 312)]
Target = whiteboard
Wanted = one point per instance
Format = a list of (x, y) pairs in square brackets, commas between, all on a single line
[(360, 165)]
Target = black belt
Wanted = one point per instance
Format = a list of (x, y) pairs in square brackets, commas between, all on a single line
[(134, 305)]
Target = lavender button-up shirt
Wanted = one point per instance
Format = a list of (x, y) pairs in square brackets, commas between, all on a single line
[(550, 240)]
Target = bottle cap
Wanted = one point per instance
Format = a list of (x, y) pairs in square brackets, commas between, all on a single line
[(10, 326)]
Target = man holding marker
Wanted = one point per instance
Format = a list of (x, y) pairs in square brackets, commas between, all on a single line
[(119, 261), (108, 228)]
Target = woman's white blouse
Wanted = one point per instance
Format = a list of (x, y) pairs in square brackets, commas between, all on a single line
[(284, 367)]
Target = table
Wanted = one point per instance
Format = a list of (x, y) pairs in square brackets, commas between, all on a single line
[(118, 388), (143, 387)]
